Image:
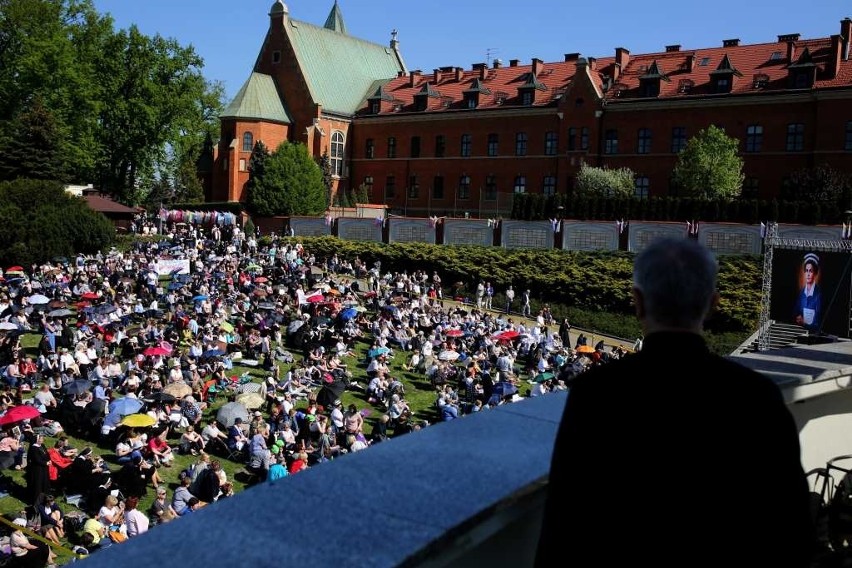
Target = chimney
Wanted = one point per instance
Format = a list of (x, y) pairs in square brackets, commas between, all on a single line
[(571, 57), (514, 62), (790, 40), (846, 31), (836, 56), (731, 43), (690, 63), (622, 58), (436, 76), (593, 63), (672, 48), (537, 66), (498, 63), (459, 74), (413, 78), (400, 74), (481, 69)]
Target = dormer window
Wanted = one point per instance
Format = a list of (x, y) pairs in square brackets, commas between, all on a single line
[(722, 79), (684, 86), (802, 73), (527, 90), (471, 95), (421, 99), (649, 83), (375, 101)]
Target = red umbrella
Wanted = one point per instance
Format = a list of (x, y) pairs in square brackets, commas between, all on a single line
[(18, 413), (15, 269), (507, 335), (154, 351), (454, 333), (261, 279), (90, 296), (314, 299)]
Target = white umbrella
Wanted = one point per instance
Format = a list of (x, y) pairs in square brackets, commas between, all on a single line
[(448, 355), (7, 325), (38, 299)]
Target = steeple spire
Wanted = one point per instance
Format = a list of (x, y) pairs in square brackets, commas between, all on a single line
[(335, 21)]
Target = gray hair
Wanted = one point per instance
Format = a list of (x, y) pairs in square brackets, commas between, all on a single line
[(677, 278)]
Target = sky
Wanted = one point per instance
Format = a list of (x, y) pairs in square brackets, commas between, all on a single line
[(228, 34)]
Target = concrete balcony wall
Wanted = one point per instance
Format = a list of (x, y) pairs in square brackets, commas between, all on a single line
[(468, 492)]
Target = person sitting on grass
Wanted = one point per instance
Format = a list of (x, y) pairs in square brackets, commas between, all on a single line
[(191, 442), (160, 451)]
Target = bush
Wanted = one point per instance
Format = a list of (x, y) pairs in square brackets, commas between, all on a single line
[(39, 221)]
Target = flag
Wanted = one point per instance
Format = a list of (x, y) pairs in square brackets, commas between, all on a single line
[(556, 225), (762, 230), (328, 219), (379, 221), (695, 227)]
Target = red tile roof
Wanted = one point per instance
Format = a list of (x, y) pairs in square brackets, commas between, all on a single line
[(106, 205), (760, 67)]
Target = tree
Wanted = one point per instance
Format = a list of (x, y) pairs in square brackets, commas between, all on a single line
[(291, 184), (33, 151), (603, 182), (709, 166), (327, 179), (820, 184), (362, 195)]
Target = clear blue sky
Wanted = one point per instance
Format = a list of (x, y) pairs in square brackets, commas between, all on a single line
[(437, 33)]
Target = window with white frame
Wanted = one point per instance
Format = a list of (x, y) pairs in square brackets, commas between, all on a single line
[(337, 146)]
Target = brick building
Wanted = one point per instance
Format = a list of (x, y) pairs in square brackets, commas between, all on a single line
[(465, 140)]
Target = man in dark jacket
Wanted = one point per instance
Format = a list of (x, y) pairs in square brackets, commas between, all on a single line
[(674, 456)]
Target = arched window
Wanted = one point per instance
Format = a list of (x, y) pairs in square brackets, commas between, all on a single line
[(337, 145), (248, 142)]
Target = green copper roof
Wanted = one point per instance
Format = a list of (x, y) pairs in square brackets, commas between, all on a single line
[(258, 99), (335, 22), (339, 68)]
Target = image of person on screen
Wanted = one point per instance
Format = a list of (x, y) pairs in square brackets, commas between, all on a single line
[(809, 302)]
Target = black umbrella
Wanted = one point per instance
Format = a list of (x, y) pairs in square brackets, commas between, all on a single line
[(77, 387), (329, 393), (162, 397)]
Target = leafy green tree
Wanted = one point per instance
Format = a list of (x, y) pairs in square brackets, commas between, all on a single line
[(362, 195), (603, 182), (291, 184), (709, 166), (33, 151)]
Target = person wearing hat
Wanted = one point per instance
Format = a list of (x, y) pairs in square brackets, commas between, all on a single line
[(808, 309)]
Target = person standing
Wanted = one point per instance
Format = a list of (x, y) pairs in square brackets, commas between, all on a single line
[(480, 295), (489, 295), (652, 509), (526, 309), (510, 297), (38, 478)]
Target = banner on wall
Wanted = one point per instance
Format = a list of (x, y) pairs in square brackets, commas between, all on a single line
[(164, 267)]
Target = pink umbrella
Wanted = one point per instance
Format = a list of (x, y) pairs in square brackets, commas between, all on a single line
[(261, 279), (454, 333), (314, 298)]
